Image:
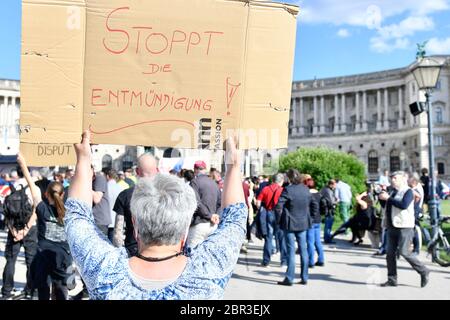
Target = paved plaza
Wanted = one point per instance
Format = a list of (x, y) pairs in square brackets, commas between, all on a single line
[(349, 273)]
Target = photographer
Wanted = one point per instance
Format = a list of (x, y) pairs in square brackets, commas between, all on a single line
[(399, 222)]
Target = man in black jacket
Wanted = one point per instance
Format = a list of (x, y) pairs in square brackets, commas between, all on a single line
[(327, 208), (206, 218), (293, 212)]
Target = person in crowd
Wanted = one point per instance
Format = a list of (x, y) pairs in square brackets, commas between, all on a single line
[(266, 202), (162, 208), (313, 235), (113, 192), (293, 212), (21, 232), (246, 190), (417, 188), (327, 207), (217, 177), (344, 196), (43, 183), (130, 179), (383, 179), (68, 175), (101, 203), (399, 222), (263, 182), (147, 167), (188, 176), (425, 180), (206, 217), (121, 181), (53, 255), (363, 220)]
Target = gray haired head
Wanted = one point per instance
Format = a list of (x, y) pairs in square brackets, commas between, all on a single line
[(399, 173), (162, 207), (278, 178)]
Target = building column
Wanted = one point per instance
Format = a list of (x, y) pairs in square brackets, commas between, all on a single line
[(316, 122), (301, 131), (358, 123), (294, 116), (400, 107), (322, 115), (364, 124), (343, 123), (379, 124), (337, 123), (386, 113), (3, 112)]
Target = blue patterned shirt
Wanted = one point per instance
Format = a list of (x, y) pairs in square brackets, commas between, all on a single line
[(105, 270)]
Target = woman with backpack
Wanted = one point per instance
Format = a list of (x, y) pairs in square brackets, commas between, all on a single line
[(53, 255), (22, 231)]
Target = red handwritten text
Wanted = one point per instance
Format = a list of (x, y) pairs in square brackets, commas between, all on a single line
[(150, 99), (153, 42)]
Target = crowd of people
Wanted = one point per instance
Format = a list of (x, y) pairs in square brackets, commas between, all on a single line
[(178, 235)]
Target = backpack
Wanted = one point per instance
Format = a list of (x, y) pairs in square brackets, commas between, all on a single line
[(17, 208)]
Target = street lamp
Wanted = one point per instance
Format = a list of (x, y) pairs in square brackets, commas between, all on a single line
[(426, 72)]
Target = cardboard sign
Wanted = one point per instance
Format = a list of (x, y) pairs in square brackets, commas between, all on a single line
[(43, 155), (160, 73)]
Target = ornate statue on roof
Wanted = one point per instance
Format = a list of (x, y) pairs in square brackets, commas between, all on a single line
[(421, 50)]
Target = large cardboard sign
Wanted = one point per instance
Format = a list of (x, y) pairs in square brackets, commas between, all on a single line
[(162, 73)]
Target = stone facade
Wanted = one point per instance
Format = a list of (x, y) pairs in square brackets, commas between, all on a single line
[(368, 115)]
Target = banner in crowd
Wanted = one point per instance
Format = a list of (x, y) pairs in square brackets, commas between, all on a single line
[(157, 73)]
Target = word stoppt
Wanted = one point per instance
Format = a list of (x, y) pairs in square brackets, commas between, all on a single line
[(148, 40)]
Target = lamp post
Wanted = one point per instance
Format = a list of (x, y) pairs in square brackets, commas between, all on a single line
[(426, 72)]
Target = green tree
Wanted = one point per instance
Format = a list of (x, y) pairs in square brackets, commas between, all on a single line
[(324, 164)]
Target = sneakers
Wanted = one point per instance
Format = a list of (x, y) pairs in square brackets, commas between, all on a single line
[(389, 283), (244, 249), (303, 282), (264, 265), (319, 264), (424, 278)]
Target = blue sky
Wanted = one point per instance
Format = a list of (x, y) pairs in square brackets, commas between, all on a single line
[(334, 37)]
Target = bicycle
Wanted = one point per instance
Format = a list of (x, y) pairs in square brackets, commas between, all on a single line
[(439, 246)]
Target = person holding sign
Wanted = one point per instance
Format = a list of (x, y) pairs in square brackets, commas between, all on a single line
[(162, 208)]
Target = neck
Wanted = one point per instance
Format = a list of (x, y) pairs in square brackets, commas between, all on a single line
[(160, 251)]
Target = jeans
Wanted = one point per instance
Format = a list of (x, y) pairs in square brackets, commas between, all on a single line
[(401, 239), (12, 250), (281, 243), (51, 263), (329, 220), (314, 244), (268, 238), (291, 237), (382, 248)]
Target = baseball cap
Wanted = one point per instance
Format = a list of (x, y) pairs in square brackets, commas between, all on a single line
[(200, 164)]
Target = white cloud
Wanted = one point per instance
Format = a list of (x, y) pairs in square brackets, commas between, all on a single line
[(343, 33), (356, 13), (438, 46), (395, 36), (373, 14)]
